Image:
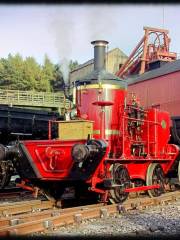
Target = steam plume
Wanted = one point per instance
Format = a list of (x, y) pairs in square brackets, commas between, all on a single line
[(73, 35), (62, 29), (64, 66)]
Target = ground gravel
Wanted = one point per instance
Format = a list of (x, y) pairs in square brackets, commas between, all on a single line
[(156, 220)]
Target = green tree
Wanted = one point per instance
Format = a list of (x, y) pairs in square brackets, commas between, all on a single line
[(11, 72), (32, 73), (5, 70), (58, 82), (47, 74), (73, 65), (19, 74)]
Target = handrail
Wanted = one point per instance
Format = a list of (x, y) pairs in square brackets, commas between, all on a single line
[(32, 98)]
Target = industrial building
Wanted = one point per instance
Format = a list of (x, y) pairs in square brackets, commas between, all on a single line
[(115, 58), (159, 88)]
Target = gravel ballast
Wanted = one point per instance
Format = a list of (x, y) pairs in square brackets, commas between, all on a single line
[(161, 220)]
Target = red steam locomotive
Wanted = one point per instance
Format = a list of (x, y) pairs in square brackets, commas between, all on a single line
[(112, 147)]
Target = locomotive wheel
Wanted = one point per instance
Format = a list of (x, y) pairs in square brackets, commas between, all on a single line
[(121, 177), (155, 175), (5, 176)]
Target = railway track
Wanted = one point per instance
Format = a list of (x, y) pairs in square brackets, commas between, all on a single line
[(42, 216), (13, 193)]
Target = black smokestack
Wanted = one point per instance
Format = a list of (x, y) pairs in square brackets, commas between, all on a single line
[(99, 54)]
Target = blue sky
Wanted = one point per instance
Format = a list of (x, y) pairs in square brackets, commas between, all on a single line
[(67, 30)]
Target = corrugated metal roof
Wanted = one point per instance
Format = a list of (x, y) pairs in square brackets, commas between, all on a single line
[(165, 69), (89, 62)]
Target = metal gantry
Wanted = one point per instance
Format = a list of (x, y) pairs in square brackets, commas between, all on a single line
[(154, 46)]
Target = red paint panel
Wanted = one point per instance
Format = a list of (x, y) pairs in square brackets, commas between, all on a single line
[(159, 132), (52, 158)]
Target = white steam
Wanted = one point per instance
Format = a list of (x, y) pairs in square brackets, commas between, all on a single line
[(62, 29), (74, 27), (100, 23), (64, 66)]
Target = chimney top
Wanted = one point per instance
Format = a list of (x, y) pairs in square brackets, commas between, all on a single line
[(99, 43)]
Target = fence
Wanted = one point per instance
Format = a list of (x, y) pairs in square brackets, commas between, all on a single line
[(35, 99)]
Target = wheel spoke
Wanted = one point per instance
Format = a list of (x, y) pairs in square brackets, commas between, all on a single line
[(121, 177), (155, 175)]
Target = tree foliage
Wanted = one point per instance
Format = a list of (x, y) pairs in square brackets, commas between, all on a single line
[(73, 65), (26, 74)]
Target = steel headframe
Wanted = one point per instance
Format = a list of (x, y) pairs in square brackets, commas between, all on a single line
[(148, 51)]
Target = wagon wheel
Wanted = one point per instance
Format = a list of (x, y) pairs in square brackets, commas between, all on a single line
[(179, 171), (121, 177), (155, 175)]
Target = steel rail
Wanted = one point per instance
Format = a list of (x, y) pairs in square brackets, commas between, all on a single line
[(50, 223), (21, 218), (12, 193), (24, 207)]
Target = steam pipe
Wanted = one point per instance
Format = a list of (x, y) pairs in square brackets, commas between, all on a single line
[(66, 92)]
